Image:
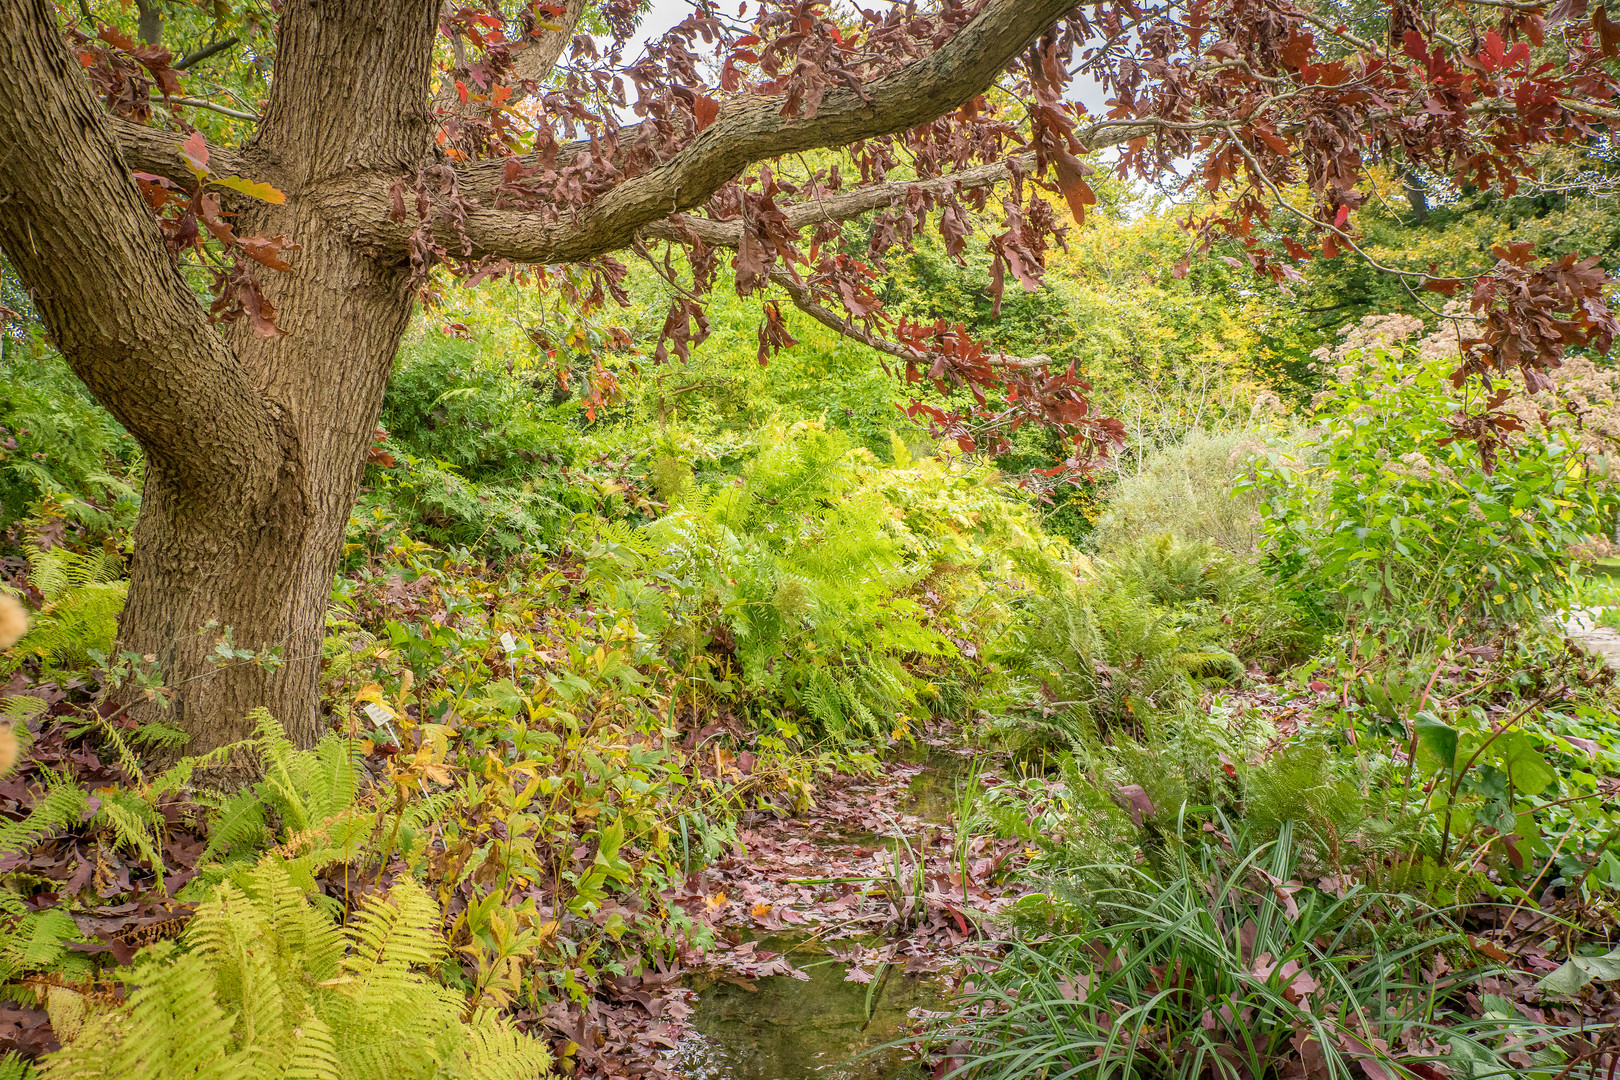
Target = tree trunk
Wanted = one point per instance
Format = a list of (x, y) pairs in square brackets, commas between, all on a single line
[(268, 580), (349, 96), (254, 445)]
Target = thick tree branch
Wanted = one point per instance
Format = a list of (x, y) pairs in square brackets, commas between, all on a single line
[(79, 234), (157, 151), (752, 131)]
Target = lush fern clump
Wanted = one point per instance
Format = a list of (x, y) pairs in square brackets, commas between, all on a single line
[(83, 594), (266, 984), (822, 582), (448, 404), (1103, 661)]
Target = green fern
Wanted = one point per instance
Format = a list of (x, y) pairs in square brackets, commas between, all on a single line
[(264, 985), (36, 941), (83, 597), (61, 806)]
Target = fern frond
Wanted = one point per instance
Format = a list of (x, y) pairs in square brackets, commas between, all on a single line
[(21, 708), (134, 823), (238, 826), (62, 805), (496, 1051), (393, 934), (14, 1066), (314, 1053), (176, 1027), (37, 940)]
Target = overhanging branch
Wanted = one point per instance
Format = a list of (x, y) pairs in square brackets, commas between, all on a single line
[(753, 131)]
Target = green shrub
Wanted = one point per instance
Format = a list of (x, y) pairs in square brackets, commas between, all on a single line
[(1210, 588), (1388, 511), (821, 582), (446, 402), (1185, 491), (84, 594), (57, 443)]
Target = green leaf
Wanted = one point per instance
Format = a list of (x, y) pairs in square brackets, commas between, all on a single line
[(1530, 772), (1580, 970), (1436, 744), (255, 189)]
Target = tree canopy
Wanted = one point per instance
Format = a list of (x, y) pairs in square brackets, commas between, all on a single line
[(314, 168)]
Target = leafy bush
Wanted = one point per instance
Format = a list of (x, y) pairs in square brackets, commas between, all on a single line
[(1388, 509), (449, 404), (1184, 490), (1216, 590), (1229, 967)]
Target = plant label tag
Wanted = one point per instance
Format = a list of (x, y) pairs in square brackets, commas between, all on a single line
[(509, 643), (379, 715)]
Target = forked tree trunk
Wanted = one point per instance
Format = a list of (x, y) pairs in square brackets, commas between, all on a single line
[(347, 99), (254, 446), (267, 577)]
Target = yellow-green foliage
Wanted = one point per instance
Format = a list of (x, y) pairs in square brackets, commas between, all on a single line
[(266, 985), (828, 574), (83, 596), (1185, 490)]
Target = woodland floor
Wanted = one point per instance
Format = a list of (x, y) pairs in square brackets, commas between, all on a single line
[(833, 949), (836, 930)]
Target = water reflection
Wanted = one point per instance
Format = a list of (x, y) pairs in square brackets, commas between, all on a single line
[(789, 1029)]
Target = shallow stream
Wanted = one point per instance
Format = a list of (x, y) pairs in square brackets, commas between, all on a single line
[(824, 1028)]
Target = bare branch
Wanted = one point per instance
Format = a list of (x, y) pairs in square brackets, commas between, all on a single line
[(206, 52), (199, 103), (805, 301)]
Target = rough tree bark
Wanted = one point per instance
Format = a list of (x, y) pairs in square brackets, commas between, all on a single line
[(255, 446)]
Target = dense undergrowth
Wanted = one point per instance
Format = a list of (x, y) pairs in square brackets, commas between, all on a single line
[(1282, 716)]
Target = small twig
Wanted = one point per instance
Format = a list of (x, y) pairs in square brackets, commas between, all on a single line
[(213, 49), (199, 103)]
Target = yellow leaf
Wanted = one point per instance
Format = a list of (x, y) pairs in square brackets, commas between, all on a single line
[(255, 189)]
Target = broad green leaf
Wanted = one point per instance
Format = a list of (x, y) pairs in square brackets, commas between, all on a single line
[(1436, 744), (1530, 772), (1580, 970)]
